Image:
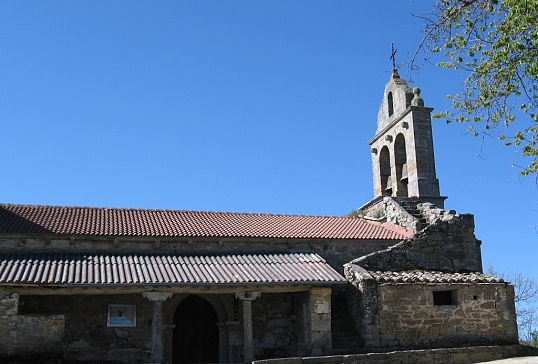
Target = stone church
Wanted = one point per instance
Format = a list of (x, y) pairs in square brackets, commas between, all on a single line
[(174, 286)]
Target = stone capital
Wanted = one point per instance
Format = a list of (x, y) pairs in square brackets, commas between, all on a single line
[(157, 296), (247, 296)]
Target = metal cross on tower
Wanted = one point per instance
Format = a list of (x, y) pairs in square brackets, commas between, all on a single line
[(393, 56)]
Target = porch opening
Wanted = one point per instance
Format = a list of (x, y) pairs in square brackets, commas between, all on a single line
[(195, 338)]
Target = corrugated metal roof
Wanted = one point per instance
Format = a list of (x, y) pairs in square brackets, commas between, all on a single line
[(418, 276), (67, 220), (142, 270)]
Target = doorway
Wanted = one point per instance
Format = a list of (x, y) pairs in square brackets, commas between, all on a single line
[(195, 338)]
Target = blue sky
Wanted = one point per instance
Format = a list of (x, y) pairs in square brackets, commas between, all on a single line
[(250, 106)]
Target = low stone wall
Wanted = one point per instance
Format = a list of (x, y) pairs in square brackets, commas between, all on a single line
[(434, 356)]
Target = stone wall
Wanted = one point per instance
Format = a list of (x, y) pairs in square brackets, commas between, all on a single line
[(453, 356), (406, 315), (286, 324), (481, 314), (447, 245), (394, 210), (86, 335), (29, 335), (396, 214), (365, 309), (433, 213), (275, 330)]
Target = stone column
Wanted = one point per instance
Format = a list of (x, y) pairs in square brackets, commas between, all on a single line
[(320, 321), (247, 298), (157, 323)]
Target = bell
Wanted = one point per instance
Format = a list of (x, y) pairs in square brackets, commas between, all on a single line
[(404, 172), (389, 183)]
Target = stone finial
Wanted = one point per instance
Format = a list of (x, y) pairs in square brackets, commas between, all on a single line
[(417, 100)]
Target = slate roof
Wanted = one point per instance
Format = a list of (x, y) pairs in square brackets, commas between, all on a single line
[(411, 277), (68, 220), (69, 270)]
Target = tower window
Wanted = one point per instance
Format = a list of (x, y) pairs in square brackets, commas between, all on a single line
[(390, 103)]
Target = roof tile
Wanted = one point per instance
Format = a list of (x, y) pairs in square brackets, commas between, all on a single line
[(68, 220), (420, 276), (122, 270)]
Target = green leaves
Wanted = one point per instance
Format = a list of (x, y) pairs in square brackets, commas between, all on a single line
[(496, 44)]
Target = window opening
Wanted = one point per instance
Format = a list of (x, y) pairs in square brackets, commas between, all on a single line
[(444, 298), (390, 104)]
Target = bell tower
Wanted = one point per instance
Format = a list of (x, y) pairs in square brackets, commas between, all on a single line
[(402, 149)]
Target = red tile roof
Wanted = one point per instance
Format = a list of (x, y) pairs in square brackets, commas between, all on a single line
[(141, 270), (68, 220)]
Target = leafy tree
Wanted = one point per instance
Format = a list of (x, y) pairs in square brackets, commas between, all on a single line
[(525, 297), (495, 44)]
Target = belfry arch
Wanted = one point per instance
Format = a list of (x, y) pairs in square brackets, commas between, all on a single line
[(400, 162), (385, 171)]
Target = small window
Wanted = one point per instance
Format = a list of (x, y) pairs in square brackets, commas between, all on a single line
[(444, 298), (121, 315), (390, 104)]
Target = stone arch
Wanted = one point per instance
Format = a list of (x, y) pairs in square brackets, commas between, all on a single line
[(400, 161), (213, 299), (385, 171)]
